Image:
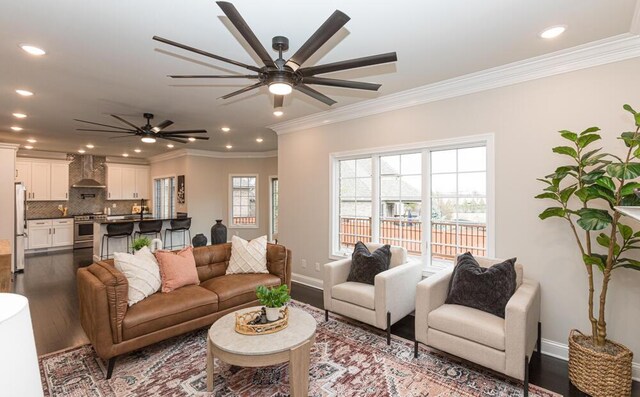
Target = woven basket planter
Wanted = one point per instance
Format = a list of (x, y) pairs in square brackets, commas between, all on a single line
[(599, 374)]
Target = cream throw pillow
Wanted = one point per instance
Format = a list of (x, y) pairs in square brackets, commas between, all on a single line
[(142, 273), (248, 256)]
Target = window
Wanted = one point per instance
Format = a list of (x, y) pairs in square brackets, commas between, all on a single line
[(244, 197), (434, 200), (164, 197), (274, 209)]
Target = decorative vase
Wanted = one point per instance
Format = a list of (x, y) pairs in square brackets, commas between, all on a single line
[(200, 240), (218, 233), (599, 374), (273, 313)]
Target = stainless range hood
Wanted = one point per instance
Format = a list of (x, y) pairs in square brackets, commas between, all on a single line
[(87, 170)]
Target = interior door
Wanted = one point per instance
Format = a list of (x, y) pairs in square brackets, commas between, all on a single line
[(59, 181), (40, 181)]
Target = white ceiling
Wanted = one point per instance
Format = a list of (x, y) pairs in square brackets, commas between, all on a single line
[(101, 58)]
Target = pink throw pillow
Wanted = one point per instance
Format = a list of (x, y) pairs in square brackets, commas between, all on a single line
[(177, 269)]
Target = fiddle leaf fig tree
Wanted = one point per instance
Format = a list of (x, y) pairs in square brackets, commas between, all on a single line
[(585, 192)]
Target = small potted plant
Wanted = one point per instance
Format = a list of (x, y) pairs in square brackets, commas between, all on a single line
[(140, 242), (273, 299)]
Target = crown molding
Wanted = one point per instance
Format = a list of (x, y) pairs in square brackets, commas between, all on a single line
[(211, 154), (13, 146), (613, 49)]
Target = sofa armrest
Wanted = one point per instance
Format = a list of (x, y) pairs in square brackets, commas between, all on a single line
[(105, 289), (431, 293), (334, 273), (279, 262), (522, 315), (395, 291)]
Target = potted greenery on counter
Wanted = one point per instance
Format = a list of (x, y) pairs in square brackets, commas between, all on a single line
[(140, 242), (273, 299), (586, 191)]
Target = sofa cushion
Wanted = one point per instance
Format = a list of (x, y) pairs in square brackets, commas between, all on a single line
[(177, 269), (360, 294), (237, 289), (248, 256), (161, 310), (469, 323)]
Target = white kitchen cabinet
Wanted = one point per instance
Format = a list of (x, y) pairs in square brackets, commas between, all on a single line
[(127, 182), (62, 232), (39, 233), (59, 181), (44, 179)]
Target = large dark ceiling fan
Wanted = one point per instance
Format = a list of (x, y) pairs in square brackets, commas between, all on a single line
[(284, 76), (147, 132)]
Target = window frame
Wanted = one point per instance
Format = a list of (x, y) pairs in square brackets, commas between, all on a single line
[(425, 148), (271, 213), (243, 226), (174, 204)]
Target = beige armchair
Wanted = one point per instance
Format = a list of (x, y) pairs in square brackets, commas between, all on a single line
[(391, 298), (503, 345)]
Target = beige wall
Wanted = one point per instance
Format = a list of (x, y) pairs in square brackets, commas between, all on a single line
[(524, 119), (207, 189), (7, 192)]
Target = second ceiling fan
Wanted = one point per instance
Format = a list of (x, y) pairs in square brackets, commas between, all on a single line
[(284, 76)]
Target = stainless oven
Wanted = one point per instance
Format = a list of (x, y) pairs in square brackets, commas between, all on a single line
[(83, 229)]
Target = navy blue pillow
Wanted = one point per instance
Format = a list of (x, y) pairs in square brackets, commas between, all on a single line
[(486, 289), (365, 265)]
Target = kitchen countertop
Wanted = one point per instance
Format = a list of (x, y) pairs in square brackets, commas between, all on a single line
[(49, 217), (136, 218)]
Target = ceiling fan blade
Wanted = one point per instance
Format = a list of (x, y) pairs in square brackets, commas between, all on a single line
[(245, 89), (162, 125), (349, 64), (314, 94), (205, 53), (205, 138), (191, 76), (126, 122), (117, 132), (341, 83), (118, 137), (278, 101), (336, 21), (171, 139), (184, 132), (103, 125), (236, 19)]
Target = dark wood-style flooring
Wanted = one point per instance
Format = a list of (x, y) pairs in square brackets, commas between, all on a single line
[(49, 283)]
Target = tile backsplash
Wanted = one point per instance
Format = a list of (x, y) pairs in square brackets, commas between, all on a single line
[(76, 204)]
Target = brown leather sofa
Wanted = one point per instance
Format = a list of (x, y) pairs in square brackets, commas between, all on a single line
[(114, 328)]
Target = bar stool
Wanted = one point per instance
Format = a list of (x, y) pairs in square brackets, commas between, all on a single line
[(147, 228), (116, 230), (178, 225)]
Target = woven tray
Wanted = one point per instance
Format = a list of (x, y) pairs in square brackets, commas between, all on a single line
[(243, 320)]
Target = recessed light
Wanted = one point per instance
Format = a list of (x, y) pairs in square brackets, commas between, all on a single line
[(148, 139), (229, 146), (125, 155), (90, 146), (553, 32), (28, 147), (31, 140), (259, 140), (32, 50), (170, 146), (192, 139), (16, 128), (24, 92), (278, 112), (81, 151), (19, 115), (225, 129), (137, 150)]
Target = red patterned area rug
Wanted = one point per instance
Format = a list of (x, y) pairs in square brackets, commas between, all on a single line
[(348, 359)]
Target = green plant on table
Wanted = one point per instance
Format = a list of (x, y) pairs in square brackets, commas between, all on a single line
[(140, 242), (273, 297), (586, 191)]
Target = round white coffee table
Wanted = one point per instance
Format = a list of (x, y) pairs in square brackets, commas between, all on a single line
[(292, 344)]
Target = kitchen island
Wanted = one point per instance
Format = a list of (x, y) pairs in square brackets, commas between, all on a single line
[(120, 244)]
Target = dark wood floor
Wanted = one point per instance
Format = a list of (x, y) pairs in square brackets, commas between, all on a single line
[(50, 284)]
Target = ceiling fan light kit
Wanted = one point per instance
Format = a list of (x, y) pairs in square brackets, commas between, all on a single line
[(282, 77)]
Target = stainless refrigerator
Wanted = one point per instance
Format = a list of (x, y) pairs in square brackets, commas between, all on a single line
[(20, 227)]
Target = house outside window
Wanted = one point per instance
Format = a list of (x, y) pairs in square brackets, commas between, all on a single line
[(434, 199), (164, 197), (243, 201)]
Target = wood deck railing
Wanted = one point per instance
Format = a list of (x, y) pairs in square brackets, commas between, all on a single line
[(446, 237), (244, 220)]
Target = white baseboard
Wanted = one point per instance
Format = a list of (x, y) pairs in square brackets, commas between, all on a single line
[(561, 351), (306, 280)]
